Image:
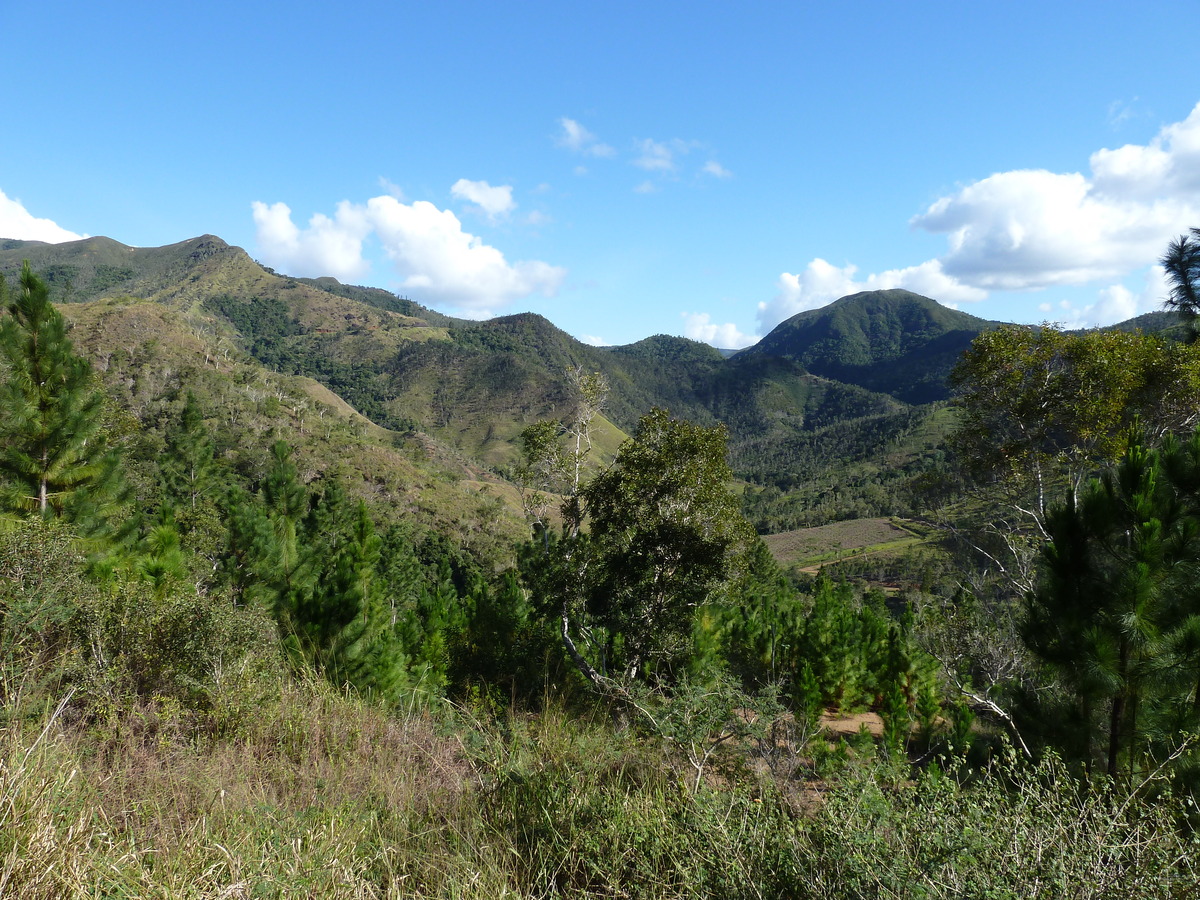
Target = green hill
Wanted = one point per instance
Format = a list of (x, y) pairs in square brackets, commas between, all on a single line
[(828, 391), (894, 342)]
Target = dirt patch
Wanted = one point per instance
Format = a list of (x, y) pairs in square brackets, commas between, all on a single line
[(844, 725)]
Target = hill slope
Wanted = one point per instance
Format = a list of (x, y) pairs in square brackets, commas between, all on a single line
[(831, 387), (894, 342)]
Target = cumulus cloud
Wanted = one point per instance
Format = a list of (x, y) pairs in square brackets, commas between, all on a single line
[(326, 247), (494, 201), (435, 259), (441, 261), (821, 283), (1030, 229), (1115, 303), (715, 169), (575, 137), (701, 327), (17, 223), (593, 340)]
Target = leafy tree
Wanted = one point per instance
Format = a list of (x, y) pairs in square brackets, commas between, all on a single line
[(553, 453), (53, 455), (664, 534), (1035, 402), (1043, 409)]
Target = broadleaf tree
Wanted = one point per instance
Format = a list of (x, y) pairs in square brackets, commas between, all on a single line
[(1041, 410), (664, 534)]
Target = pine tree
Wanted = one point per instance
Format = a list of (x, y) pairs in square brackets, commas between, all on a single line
[(53, 456), (190, 481), (1113, 612), (314, 560), (353, 637), (188, 465)]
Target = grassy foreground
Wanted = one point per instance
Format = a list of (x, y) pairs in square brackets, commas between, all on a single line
[(319, 795)]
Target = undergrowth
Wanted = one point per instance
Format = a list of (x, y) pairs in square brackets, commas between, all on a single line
[(322, 795)]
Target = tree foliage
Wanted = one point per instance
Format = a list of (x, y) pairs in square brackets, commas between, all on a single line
[(1116, 613), (1036, 402), (664, 528), (662, 536), (1182, 265), (53, 453)]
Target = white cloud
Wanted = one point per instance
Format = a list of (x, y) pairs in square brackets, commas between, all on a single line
[(593, 339), (494, 201), (440, 261), (1031, 228), (646, 187), (16, 223), (435, 259), (391, 189), (1115, 303), (326, 247), (1120, 112), (575, 137), (654, 156), (821, 283), (700, 327), (663, 160)]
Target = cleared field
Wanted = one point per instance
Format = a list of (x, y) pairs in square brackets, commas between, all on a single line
[(811, 546)]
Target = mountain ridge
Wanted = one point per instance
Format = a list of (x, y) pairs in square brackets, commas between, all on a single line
[(826, 390)]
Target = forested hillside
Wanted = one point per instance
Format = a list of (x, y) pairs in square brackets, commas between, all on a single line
[(308, 590), (473, 386)]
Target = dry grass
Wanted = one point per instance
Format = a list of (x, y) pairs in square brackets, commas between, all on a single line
[(826, 543), (323, 796), (327, 796)]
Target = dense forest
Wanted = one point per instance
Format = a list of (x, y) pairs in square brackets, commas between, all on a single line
[(308, 591)]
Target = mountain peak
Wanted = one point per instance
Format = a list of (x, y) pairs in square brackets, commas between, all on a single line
[(878, 340)]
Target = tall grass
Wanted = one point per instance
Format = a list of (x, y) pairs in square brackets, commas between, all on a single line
[(322, 795)]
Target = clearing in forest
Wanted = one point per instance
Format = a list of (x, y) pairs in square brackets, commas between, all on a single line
[(810, 547)]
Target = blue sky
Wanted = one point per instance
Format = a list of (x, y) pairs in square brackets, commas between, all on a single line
[(625, 169)]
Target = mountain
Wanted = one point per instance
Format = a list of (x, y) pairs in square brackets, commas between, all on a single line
[(456, 393), (201, 316), (831, 411), (893, 342), (1166, 322)]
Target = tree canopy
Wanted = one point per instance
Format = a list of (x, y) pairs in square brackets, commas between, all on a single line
[(1040, 402)]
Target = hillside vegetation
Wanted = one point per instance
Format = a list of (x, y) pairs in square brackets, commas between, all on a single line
[(307, 590)]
